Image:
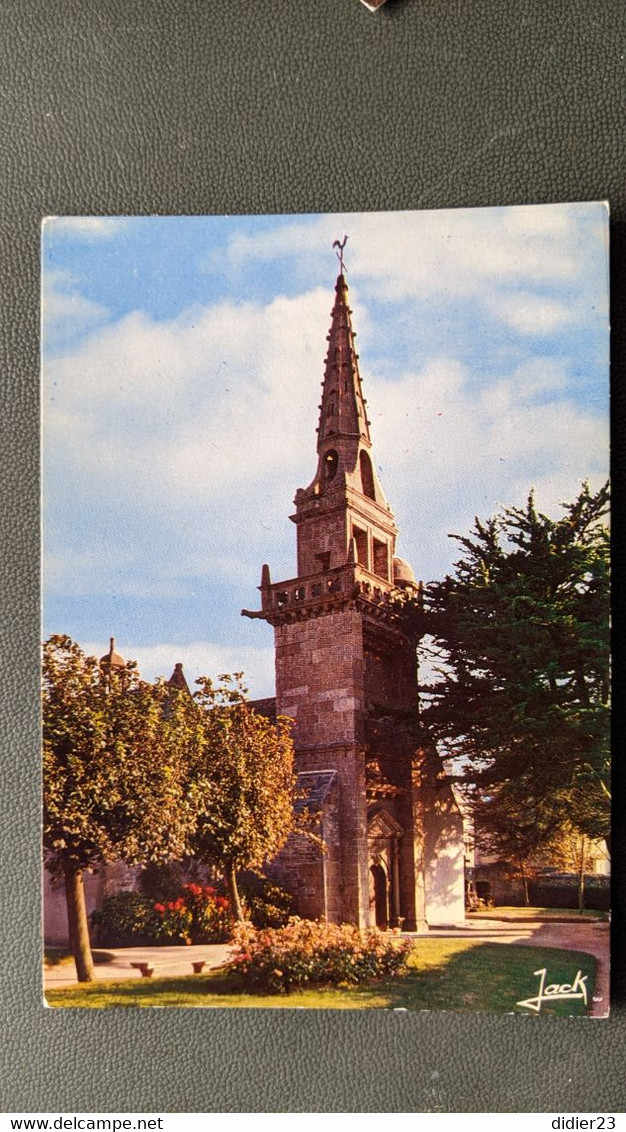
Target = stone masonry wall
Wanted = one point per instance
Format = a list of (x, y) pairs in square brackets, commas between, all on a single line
[(311, 873), (319, 678), (319, 683), (319, 534), (390, 676)]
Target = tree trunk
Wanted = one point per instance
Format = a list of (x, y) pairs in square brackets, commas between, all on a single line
[(581, 875), (235, 903), (78, 926), (525, 883)]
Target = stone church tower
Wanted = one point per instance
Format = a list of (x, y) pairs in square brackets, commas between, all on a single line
[(346, 674)]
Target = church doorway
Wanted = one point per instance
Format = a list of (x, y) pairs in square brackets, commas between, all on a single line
[(381, 895), (383, 842)]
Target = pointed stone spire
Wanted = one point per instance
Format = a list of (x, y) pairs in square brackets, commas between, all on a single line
[(342, 411), (178, 680), (112, 659), (343, 517)]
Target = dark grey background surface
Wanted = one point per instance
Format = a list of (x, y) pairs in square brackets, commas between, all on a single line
[(144, 106)]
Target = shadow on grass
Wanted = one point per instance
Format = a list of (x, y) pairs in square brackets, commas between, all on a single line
[(443, 974), (57, 956), (491, 977)]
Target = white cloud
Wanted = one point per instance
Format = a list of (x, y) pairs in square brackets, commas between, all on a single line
[(193, 408), (197, 430), (113, 565), (87, 227), (402, 254), (65, 312), (461, 251), (452, 447), (202, 428), (540, 376), (296, 241), (531, 314), (528, 266)]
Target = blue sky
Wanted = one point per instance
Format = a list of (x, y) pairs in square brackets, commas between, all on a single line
[(182, 361)]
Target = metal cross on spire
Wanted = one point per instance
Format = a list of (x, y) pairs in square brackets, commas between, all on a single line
[(339, 254)]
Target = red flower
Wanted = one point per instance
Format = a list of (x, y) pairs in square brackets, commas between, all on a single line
[(160, 908)]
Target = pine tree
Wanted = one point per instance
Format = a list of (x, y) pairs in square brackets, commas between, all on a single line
[(521, 631)]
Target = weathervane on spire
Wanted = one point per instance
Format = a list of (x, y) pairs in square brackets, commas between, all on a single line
[(339, 254)]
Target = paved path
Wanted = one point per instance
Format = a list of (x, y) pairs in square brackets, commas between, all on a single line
[(165, 960), (591, 937)]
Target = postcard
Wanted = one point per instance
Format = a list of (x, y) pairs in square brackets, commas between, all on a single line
[(325, 672)]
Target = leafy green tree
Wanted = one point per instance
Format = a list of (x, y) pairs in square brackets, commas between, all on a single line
[(521, 631), (243, 784), (573, 852), (510, 823), (115, 751)]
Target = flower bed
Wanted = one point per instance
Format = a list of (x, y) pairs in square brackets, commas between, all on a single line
[(307, 953), (198, 915)]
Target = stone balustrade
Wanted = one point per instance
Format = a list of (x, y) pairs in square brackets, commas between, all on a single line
[(343, 581)]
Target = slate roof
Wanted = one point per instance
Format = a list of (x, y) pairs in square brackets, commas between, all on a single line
[(314, 786), (265, 707)]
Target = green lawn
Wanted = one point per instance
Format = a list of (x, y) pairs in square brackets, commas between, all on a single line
[(510, 912), (443, 974)]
